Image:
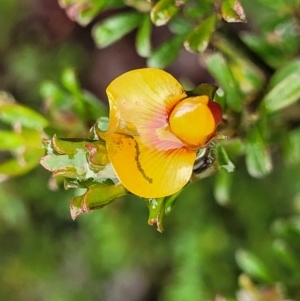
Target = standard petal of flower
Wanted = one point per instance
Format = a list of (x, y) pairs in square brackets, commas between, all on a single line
[(146, 171), (141, 99)]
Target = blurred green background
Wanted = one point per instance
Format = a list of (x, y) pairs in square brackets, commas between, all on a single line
[(221, 228)]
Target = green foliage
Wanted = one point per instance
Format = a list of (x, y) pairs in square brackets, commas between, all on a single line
[(283, 88), (240, 224), (232, 11), (115, 28), (22, 141)]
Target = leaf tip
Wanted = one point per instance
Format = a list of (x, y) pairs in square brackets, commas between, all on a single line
[(78, 207)]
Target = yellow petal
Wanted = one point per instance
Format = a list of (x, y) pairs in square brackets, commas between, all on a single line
[(142, 98), (192, 121), (148, 172)]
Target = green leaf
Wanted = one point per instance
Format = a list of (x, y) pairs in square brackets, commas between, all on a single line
[(166, 53), (50, 90), (143, 44), (140, 5), (220, 69), (197, 10), (12, 168), (258, 159), (222, 187), (164, 11), (65, 146), (224, 161), (286, 255), (292, 67), (59, 101), (180, 26), (198, 39), (89, 12), (96, 197), (94, 108), (156, 212), (284, 94), (253, 266), (21, 165), (292, 147), (10, 140), (289, 229), (246, 73), (15, 114), (234, 147), (83, 12), (170, 201), (114, 28), (71, 83), (278, 5), (232, 11), (277, 51), (204, 89)]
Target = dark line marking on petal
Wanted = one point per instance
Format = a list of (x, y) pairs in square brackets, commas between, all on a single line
[(139, 166), (138, 153)]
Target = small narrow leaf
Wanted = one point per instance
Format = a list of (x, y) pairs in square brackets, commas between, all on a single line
[(292, 67), (224, 160), (70, 80), (86, 15), (220, 69), (48, 89), (93, 106), (198, 39), (83, 12), (232, 11), (234, 146), (10, 140), (258, 159), (253, 266), (180, 26), (96, 197), (166, 53), (222, 187), (284, 94), (291, 147), (139, 5), (15, 114), (204, 89), (164, 10), (143, 45), (114, 28), (287, 256), (66, 146), (288, 229), (247, 74), (19, 166)]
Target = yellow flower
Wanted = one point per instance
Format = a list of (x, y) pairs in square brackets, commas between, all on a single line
[(155, 131)]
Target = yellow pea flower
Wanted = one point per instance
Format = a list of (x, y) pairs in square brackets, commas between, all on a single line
[(155, 131)]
